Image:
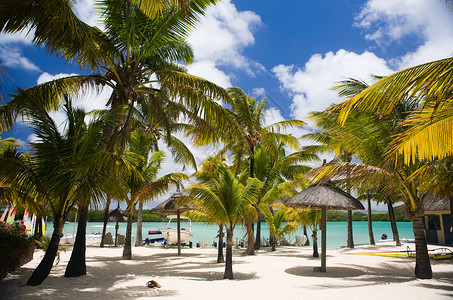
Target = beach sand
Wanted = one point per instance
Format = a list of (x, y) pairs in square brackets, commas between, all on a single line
[(284, 274)]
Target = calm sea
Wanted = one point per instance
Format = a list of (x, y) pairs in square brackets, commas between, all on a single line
[(336, 231)]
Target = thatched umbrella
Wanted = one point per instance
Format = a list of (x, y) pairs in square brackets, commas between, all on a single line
[(170, 207), (117, 215), (324, 197)]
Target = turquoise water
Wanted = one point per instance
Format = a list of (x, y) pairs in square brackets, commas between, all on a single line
[(336, 231)]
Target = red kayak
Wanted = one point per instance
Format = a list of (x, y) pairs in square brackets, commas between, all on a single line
[(154, 232)]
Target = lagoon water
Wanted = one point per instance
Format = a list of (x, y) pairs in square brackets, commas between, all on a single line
[(336, 231)]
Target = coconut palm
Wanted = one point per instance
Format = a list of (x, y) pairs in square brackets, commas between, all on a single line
[(430, 86), (247, 132), (305, 217), (139, 65), (145, 185), (230, 202), (54, 24), (274, 222), (63, 169)]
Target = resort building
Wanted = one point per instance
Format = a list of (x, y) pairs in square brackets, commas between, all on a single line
[(437, 220)]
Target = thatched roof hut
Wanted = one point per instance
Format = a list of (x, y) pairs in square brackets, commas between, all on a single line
[(433, 202), (318, 195), (324, 197), (117, 215), (168, 207)]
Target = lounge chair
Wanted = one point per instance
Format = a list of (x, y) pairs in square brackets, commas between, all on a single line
[(108, 240), (121, 240)]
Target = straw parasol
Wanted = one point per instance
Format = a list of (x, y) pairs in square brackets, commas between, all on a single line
[(170, 207), (117, 215), (324, 197)]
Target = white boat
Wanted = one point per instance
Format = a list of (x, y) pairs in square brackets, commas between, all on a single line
[(170, 232)]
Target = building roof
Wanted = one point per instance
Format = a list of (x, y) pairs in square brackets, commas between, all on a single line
[(433, 202)]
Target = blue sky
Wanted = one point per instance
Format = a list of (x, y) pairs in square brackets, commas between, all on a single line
[(290, 51)]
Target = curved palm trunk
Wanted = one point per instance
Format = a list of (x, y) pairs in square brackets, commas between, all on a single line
[(315, 243), (127, 251), (350, 235), (370, 221), (307, 243), (106, 213), (139, 239), (43, 269), (396, 236), (229, 256), (77, 263), (220, 258), (422, 264)]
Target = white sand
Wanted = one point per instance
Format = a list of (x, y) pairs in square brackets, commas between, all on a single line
[(284, 274)]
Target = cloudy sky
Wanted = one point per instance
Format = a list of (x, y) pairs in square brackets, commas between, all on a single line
[(291, 52)]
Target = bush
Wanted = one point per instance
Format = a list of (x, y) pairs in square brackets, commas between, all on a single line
[(15, 248)]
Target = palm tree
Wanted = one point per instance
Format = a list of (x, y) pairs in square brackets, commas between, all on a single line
[(246, 133), (145, 185), (230, 202), (305, 217), (274, 222), (62, 169), (430, 86), (54, 24)]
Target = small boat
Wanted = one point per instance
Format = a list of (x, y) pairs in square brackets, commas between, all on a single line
[(170, 233)]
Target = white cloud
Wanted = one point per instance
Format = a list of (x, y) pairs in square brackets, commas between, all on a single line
[(23, 37), (221, 37), (87, 100), (86, 11), (429, 22), (12, 57), (208, 70), (310, 86)]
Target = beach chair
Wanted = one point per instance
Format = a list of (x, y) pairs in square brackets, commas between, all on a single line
[(108, 240), (121, 240)]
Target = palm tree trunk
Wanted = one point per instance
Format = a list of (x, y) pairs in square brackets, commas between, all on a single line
[(127, 251), (422, 264), (220, 258), (370, 221), (43, 269), (258, 233), (229, 256), (250, 239), (350, 235), (396, 236), (273, 241), (106, 213), (314, 236), (77, 263), (307, 243), (38, 229), (138, 241)]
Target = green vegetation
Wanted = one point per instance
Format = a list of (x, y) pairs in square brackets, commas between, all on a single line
[(14, 246), (342, 216)]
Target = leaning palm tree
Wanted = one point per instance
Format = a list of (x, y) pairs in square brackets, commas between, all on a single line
[(229, 202), (62, 170)]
